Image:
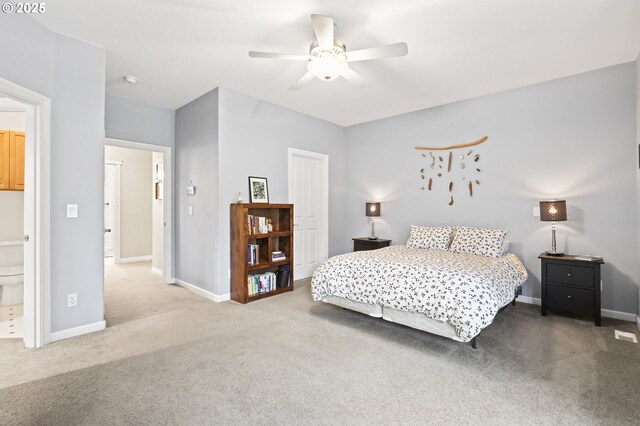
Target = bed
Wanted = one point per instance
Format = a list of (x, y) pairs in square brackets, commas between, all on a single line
[(455, 295)]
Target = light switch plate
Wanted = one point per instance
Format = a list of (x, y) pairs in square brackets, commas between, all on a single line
[(536, 212), (190, 211), (72, 211)]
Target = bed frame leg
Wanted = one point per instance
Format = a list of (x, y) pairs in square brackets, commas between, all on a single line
[(513, 302), (473, 343)]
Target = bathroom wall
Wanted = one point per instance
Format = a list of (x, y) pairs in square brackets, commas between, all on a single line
[(136, 196), (11, 202)]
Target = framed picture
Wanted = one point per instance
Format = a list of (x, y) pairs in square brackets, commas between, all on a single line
[(258, 190)]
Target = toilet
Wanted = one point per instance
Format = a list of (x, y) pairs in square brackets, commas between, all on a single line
[(11, 284), (11, 273)]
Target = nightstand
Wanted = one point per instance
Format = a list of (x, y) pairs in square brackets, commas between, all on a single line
[(571, 285), (360, 244)]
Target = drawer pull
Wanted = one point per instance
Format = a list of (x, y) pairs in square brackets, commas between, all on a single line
[(569, 296), (569, 275)]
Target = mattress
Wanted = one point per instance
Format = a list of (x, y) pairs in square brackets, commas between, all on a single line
[(462, 290)]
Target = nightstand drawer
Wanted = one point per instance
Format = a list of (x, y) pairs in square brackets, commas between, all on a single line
[(571, 274), (570, 298)]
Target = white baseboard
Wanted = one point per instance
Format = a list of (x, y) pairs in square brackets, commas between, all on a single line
[(607, 313), (204, 293), (78, 331), (638, 321), (528, 300), (133, 259), (156, 271)]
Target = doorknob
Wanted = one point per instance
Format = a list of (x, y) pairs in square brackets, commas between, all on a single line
[(26, 238), (107, 230)]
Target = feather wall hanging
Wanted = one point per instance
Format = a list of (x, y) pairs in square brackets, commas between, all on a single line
[(437, 166)]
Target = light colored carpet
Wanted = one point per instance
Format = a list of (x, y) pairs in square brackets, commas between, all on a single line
[(171, 357)]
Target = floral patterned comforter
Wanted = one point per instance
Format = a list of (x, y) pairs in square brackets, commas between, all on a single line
[(464, 290)]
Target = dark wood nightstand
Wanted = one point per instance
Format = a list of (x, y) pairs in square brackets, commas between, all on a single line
[(571, 285), (360, 244)]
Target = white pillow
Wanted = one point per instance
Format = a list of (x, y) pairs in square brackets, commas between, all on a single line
[(429, 237), (478, 241), (505, 247)]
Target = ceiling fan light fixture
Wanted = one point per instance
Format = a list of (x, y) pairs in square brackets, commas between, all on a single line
[(328, 67)]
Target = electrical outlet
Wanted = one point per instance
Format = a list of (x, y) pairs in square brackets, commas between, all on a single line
[(72, 300), (536, 212)]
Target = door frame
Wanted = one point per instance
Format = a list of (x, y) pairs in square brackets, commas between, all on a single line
[(116, 207), (324, 178), (167, 237), (37, 213)]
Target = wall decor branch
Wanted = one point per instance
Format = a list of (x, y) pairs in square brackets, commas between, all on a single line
[(462, 171), (462, 145)]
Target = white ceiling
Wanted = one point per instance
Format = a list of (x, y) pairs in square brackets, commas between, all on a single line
[(458, 49)]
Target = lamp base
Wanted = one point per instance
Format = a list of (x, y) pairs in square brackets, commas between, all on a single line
[(553, 253), (373, 238)]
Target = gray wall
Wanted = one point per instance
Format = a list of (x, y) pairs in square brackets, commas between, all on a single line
[(197, 162), (637, 167), (254, 138), (572, 138), (136, 122), (72, 74)]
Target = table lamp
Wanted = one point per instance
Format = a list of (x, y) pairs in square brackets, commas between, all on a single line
[(373, 211), (553, 211)]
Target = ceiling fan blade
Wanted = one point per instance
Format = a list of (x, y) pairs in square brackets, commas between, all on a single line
[(270, 55), (323, 27), (303, 80), (388, 51), (354, 78)]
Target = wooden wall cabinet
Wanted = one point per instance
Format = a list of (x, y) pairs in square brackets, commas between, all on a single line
[(280, 238), (11, 160)]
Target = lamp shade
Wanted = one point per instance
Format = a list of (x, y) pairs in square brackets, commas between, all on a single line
[(553, 211), (373, 209)]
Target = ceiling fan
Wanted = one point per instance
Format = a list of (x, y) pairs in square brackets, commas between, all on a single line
[(328, 58)]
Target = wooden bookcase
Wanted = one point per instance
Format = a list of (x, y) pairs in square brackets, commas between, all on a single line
[(281, 238)]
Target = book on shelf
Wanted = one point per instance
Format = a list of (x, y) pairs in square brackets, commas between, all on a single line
[(261, 283), (258, 224), (277, 256), (253, 254)]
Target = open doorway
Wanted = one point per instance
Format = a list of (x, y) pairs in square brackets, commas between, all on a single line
[(12, 145), (137, 227), (27, 253)]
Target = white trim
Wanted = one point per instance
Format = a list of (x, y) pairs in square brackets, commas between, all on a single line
[(167, 240), (156, 271), (116, 207), (638, 321), (607, 313), (8, 109), (204, 293), (624, 316), (324, 159), (134, 259), (528, 300), (78, 331), (37, 213)]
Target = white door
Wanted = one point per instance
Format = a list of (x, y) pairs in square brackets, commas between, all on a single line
[(109, 209), (308, 193)]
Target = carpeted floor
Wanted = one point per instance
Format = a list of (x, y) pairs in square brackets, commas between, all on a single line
[(171, 357)]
